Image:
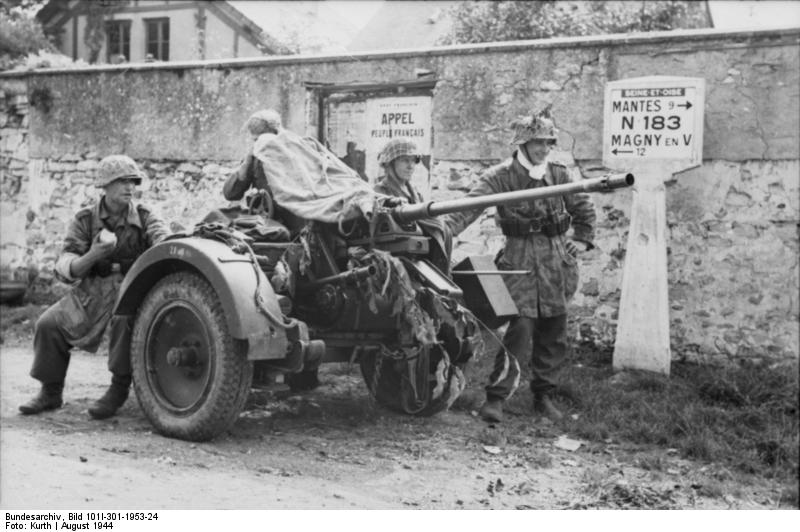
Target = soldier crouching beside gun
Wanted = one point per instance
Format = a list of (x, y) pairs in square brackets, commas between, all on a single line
[(536, 241), (102, 243)]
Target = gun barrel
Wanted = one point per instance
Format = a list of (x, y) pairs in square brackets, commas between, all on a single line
[(417, 211), (356, 274)]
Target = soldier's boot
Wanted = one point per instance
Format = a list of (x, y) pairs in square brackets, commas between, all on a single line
[(48, 398), (113, 399), (543, 405), (492, 410)]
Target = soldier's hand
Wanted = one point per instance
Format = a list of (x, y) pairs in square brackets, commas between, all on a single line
[(571, 247), (393, 201), (102, 247)]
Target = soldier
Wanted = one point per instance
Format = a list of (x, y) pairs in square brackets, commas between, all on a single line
[(249, 174), (398, 159), (102, 243), (536, 241)]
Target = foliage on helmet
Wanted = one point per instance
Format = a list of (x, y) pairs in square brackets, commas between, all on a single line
[(264, 121), (534, 126), (397, 148)]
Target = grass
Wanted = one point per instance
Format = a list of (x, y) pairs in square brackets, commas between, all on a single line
[(744, 417)]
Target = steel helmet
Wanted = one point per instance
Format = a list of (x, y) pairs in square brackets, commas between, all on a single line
[(264, 121), (116, 167), (538, 126), (396, 148)]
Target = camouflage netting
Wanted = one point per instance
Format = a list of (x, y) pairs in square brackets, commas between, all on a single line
[(310, 181), (437, 336)]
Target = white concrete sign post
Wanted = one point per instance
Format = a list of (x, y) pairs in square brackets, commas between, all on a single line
[(654, 128)]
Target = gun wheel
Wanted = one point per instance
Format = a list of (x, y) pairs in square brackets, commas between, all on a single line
[(421, 386), (191, 378)]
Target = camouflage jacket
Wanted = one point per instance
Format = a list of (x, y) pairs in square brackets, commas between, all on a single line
[(86, 309), (433, 227), (553, 277)]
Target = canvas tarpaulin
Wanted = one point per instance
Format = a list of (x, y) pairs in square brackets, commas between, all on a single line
[(310, 181)]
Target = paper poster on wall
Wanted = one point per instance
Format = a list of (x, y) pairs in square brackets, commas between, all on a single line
[(408, 117), (346, 132)]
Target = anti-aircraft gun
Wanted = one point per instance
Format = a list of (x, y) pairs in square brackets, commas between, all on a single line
[(216, 309)]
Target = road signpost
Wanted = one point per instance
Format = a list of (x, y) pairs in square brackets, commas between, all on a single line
[(653, 127)]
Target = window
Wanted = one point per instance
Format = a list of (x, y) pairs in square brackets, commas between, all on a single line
[(157, 38), (118, 33)]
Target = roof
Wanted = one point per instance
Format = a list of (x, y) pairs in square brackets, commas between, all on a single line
[(51, 10), (422, 24), (251, 28), (55, 10)]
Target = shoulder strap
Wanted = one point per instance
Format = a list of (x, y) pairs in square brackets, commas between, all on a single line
[(143, 211), (84, 213), (560, 172)]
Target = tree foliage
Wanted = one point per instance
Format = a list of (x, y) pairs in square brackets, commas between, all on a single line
[(20, 33), (475, 22)]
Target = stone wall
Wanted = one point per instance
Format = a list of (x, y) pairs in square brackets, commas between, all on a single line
[(14, 188), (733, 239)]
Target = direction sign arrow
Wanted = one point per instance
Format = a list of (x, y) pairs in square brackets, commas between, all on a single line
[(616, 151), (687, 105)]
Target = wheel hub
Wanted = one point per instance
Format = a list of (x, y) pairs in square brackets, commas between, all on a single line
[(179, 356), (187, 355)]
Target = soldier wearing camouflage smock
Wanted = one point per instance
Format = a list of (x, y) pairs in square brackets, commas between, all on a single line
[(102, 243), (536, 240), (398, 159)]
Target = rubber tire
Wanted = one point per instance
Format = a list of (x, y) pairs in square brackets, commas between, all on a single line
[(232, 373), (390, 383)]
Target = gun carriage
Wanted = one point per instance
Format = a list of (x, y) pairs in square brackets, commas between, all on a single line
[(215, 309)]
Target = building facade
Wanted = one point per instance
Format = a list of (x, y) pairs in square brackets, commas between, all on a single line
[(104, 31)]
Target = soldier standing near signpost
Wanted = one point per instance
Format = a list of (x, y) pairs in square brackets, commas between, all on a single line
[(535, 241)]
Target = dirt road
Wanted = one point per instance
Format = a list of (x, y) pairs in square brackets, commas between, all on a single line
[(330, 448)]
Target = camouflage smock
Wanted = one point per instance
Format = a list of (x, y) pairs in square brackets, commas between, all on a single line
[(433, 227), (554, 273), (85, 311)]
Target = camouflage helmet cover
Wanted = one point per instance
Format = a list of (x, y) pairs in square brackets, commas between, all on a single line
[(397, 148), (534, 126), (264, 121), (116, 167)]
